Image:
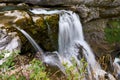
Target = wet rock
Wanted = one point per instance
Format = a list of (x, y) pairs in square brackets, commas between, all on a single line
[(51, 59), (102, 75)]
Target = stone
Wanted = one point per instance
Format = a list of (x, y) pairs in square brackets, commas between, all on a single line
[(9, 41)]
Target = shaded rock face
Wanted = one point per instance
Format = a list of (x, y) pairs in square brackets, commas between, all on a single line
[(94, 34), (102, 35)]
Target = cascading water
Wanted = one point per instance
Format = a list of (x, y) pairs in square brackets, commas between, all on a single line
[(70, 36)]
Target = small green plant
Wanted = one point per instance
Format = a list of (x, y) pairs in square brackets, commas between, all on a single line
[(7, 65), (38, 70), (76, 72), (8, 59)]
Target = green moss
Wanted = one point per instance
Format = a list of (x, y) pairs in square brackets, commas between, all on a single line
[(52, 29), (40, 23), (112, 31)]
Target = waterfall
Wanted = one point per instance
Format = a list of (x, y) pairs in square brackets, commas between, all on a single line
[(70, 35), (71, 39)]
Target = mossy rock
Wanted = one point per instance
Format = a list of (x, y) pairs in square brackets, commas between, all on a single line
[(53, 29), (44, 30), (45, 33)]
